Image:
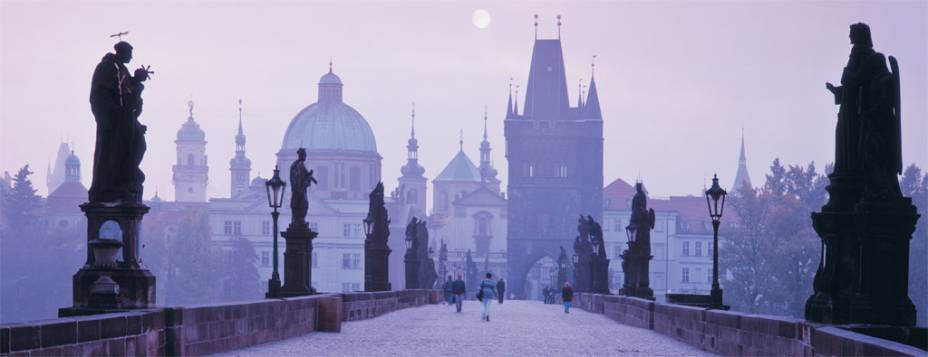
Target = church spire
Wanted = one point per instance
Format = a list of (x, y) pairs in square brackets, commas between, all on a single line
[(741, 177), (591, 108), (240, 136), (515, 105), (239, 165), (487, 172), (412, 168), (509, 102)]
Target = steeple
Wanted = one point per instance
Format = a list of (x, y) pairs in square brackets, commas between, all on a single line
[(72, 168), (741, 177), (591, 107), (412, 168), (546, 97), (191, 171), (487, 172), (330, 87), (515, 103), (240, 165), (509, 102)]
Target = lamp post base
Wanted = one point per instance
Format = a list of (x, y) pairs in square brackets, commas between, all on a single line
[(273, 288), (297, 261)]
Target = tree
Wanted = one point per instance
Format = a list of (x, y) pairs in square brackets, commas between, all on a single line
[(914, 184), (770, 254)]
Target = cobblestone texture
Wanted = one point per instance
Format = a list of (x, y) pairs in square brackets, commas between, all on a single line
[(518, 328)]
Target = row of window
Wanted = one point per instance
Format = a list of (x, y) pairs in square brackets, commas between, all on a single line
[(544, 170), (350, 261), (338, 177), (234, 227), (618, 225), (688, 278), (697, 252)]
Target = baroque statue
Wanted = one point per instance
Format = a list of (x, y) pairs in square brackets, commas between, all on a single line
[(116, 103), (300, 180)]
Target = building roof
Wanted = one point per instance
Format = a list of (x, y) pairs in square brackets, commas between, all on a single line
[(460, 168), (329, 124), (692, 210), (191, 131), (66, 198), (546, 96)]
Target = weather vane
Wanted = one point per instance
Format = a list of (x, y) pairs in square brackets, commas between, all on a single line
[(593, 65), (536, 26), (558, 26), (119, 35)]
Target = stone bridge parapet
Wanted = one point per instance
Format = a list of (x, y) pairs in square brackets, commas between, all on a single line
[(733, 333), (202, 329)]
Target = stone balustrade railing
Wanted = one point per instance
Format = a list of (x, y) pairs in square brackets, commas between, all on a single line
[(733, 333), (200, 330)]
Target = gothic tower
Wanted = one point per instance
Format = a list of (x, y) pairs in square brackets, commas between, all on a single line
[(555, 155), (412, 184), (240, 165), (191, 173)]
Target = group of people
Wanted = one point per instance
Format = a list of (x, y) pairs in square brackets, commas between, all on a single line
[(455, 292)]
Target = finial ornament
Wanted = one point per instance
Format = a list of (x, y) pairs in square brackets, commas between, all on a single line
[(190, 107), (484, 122), (413, 115), (119, 35), (536, 26), (330, 64), (461, 139), (240, 111), (593, 66), (558, 26)]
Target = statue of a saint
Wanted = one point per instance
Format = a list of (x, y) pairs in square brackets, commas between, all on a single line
[(116, 103), (868, 134), (300, 180)]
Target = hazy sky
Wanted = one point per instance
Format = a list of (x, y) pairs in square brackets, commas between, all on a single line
[(677, 80)]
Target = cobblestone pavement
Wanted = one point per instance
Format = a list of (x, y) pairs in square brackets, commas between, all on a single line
[(517, 328)]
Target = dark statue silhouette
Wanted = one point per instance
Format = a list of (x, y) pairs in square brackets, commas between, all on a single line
[(866, 226), (116, 103), (300, 180), (868, 133)]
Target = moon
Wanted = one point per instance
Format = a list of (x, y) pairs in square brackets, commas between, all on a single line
[(481, 18)]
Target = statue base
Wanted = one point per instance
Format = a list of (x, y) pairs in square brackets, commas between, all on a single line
[(864, 277), (135, 286), (298, 261)]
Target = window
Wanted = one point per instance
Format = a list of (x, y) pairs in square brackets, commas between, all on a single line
[(346, 261), (356, 261), (265, 227), (698, 247), (355, 286), (531, 170), (709, 277), (354, 178), (686, 249), (356, 230), (190, 160), (265, 258), (618, 225), (227, 227), (237, 227), (315, 261), (346, 287), (562, 171), (686, 275), (346, 230)]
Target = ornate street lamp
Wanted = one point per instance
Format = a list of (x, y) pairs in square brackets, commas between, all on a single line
[(576, 259), (630, 233), (368, 226), (713, 195), (409, 241), (275, 197)]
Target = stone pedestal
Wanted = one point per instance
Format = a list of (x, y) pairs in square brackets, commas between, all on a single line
[(117, 221), (298, 261), (376, 266), (412, 269), (863, 274)]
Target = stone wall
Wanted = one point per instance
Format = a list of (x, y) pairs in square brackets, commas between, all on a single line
[(200, 330), (735, 333)]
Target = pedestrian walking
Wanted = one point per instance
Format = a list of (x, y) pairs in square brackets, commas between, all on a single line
[(567, 295), (458, 289), (486, 293), (501, 289), (446, 288)]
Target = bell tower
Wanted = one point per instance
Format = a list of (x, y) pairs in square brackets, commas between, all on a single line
[(191, 172)]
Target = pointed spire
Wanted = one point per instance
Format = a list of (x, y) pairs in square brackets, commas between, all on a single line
[(461, 139), (591, 108), (580, 94), (515, 105), (742, 158), (240, 131), (484, 122), (509, 102)]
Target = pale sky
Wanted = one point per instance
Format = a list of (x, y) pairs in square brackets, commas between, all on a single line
[(677, 79)]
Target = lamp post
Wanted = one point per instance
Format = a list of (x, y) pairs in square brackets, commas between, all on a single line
[(275, 196), (628, 263), (368, 252), (713, 195)]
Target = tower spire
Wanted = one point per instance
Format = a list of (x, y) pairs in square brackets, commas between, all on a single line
[(515, 105), (412, 132), (509, 102), (580, 94)]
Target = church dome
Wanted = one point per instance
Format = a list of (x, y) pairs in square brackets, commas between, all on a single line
[(72, 160), (190, 131), (329, 124)]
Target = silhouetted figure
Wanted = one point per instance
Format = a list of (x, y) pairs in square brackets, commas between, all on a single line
[(868, 134), (500, 289), (300, 180), (116, 103)]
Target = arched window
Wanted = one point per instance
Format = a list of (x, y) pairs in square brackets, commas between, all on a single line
[(190, 160)]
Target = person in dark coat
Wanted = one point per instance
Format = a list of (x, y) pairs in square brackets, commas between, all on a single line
[(567, 294), (446, 289), (458, 289), (501, 289)]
